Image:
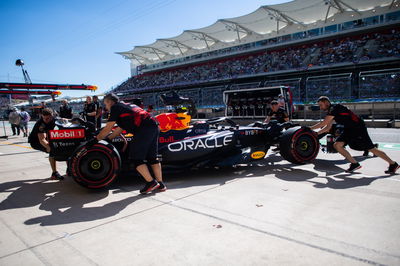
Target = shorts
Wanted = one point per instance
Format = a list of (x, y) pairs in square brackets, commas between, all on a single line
[(23, 124), (144, 145), (40, 147), (357, 138)]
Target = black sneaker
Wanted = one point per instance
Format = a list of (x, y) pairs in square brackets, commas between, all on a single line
[(392, 168), (162, 187), (149, 187), (56, 176), (353, 167)]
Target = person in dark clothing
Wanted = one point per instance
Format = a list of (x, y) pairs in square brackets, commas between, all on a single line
[(355, 134), (90, 110), (65, 110), (276, 113), (99, 111), (38, 139), (144, 146)]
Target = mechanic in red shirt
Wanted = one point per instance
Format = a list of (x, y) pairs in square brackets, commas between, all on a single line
[(355, 134), (144, 146)]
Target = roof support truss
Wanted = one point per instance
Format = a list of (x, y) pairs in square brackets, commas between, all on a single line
[(176, 44), (281, 16), (339, 5), (238, 28), (203, 36), (327, 13), (140, 59), (159, 53), (392, 4)]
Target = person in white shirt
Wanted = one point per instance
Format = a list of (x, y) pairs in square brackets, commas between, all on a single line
[(15, 119)]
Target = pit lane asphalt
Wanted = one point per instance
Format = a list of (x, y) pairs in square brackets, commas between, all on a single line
[(270, 213)]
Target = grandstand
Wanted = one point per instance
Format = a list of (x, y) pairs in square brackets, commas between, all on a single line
[(348, 50)]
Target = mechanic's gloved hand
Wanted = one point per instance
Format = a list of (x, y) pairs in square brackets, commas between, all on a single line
[(92, 142)]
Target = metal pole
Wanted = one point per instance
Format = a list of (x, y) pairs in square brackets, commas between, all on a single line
[(5, 134)]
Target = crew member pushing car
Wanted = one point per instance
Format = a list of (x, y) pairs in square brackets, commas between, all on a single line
[(276, 113), (144, 146), (355, 134), (38, 139)]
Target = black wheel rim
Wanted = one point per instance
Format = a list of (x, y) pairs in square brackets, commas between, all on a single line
[(305, 146), (95, 165)]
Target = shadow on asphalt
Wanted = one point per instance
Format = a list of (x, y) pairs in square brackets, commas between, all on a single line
[(67, 201)]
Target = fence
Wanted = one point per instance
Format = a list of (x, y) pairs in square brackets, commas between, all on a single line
[(366, 110), (294, 85), (336, 87), (379, 84)]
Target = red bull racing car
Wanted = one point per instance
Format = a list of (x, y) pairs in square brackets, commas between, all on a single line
[(215, 142)]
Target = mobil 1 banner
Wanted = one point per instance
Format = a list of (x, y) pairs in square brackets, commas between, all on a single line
[(63, 142)]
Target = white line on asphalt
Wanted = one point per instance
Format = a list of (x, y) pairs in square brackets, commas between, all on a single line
[(394, 179)]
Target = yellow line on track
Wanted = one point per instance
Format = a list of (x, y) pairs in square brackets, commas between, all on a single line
[(10, 143)]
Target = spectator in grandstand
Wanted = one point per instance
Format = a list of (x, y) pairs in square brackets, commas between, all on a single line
[(15, 119), (144, 146), (355, 134), (340, 50), (276, 113), (38, 139), (25, 117), (65, 110), (99, 111), (90, 111)]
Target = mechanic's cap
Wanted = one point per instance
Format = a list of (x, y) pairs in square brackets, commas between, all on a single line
[(323, 98)]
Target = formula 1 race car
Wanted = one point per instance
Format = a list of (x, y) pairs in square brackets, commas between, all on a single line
[(215, 142)]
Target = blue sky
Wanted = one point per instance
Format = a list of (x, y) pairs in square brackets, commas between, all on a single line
[(75, 41)]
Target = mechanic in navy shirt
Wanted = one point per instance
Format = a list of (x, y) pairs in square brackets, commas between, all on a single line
[(277, 113), (144, 146), (355, 134)]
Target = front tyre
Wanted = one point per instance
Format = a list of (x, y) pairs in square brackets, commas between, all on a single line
[(96, 166), (299, 145)]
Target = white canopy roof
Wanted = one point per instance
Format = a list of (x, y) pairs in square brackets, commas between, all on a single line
[(265, 20)]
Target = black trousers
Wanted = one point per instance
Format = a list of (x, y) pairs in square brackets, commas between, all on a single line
[(98, 122), (15, 128)]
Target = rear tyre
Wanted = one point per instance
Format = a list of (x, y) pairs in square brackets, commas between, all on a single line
[(96, 166), (299, 145)]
